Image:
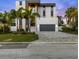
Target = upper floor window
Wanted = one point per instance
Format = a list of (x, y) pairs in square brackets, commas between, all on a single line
[(44, 13), (13, 24), (51, 10), (20, 2)]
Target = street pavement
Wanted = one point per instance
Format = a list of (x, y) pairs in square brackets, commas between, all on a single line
[(41, 51), (13, 45)]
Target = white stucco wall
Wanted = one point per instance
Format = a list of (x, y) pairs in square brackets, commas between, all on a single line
[(19, 6), (48, 11), (48, 19), (14, 28), (23, 23), (65, 19)]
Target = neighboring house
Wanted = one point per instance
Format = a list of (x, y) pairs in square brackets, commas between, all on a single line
[(60, 20), (65, 20), (47, 21)]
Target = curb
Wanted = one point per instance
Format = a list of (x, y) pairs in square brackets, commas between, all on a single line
[(38, 42)]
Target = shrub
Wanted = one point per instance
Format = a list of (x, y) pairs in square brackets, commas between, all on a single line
[(20, 30), (27, 29), (66, 29), (36, 37), (1, 27), (6, 28), (69, 30)]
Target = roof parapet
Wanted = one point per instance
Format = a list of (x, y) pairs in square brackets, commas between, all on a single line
[(33, 1)]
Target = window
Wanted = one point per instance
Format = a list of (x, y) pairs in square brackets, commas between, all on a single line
[(44, 11), (20, 3), (51, 10), (13, 24)]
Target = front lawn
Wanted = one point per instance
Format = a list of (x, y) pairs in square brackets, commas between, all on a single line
[(13, 37)]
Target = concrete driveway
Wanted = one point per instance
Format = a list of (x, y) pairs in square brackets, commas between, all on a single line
[(57, 37)]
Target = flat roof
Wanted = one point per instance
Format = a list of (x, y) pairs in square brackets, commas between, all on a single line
[(47, 4), (40, 4), (33, 1)]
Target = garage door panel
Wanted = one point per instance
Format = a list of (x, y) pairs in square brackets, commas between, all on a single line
[(47, 27)]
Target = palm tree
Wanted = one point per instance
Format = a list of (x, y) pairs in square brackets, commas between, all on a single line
[(74, 22), (1, 25), (29, 15), (19, 16), (1, 15), (72, 14), (69, 13), (12, 16), (6, 18)]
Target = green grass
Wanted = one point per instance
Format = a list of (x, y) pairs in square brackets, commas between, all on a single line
[(10, 37)]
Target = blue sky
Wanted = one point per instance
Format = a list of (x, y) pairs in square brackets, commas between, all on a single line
[(61, 5)]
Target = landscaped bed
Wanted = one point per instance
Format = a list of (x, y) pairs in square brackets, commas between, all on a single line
[(69, 30), (18, 37)]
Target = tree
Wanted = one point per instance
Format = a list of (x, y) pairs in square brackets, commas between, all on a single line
[(29, 15), (12, 16), (18, 16), (72, 14), (69, 13), (60, 21)]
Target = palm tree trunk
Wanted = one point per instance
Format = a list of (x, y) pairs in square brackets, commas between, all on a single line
[(20, 24), (29, 25), (3, 28), (17, 24), (25, 25)]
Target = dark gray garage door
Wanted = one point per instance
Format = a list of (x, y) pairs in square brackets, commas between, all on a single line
[(47, 27)]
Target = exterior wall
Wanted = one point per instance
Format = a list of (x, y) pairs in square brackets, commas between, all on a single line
[(65, 19), (47, 19), (19, 6), (42, 20), (14, 28), (48, 11), (23, 23)]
